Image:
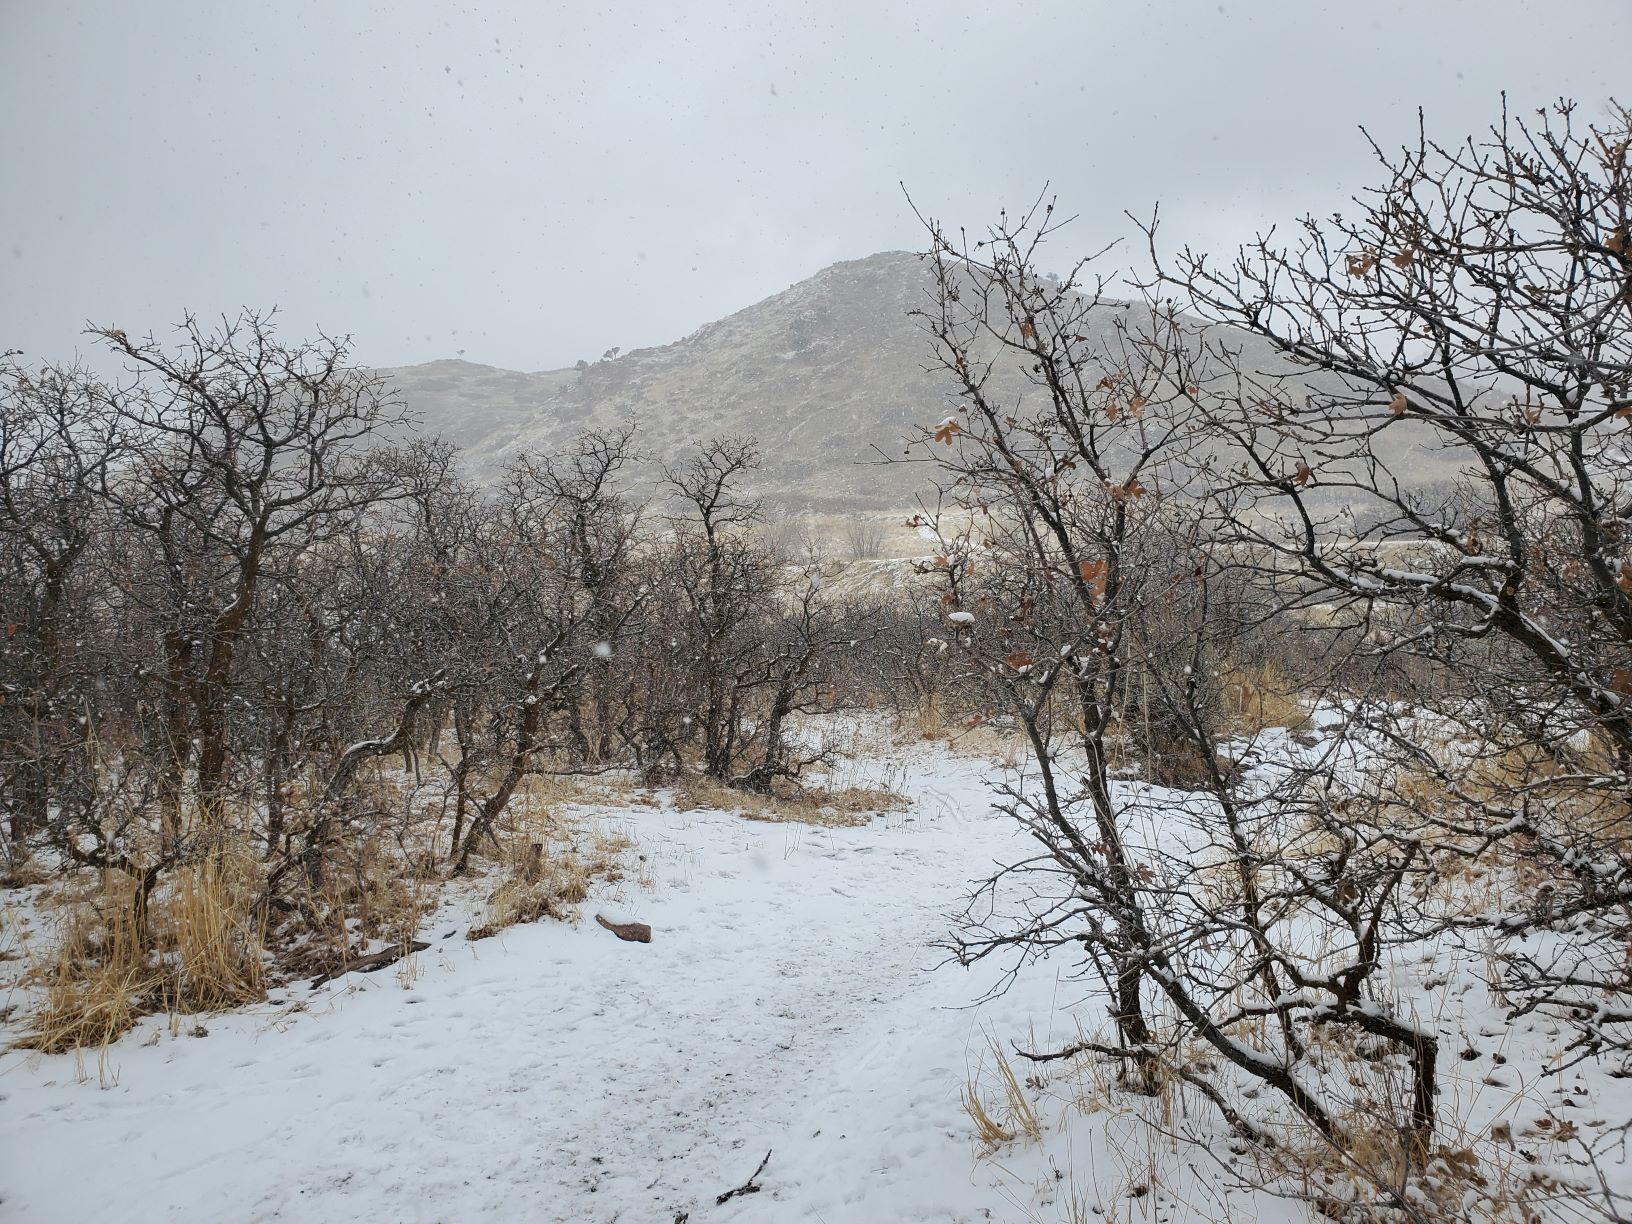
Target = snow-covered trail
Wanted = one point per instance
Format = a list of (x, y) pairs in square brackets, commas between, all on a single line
[(787, 1004)]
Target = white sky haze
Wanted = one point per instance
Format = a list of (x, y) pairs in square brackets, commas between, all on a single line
[(527, 183)]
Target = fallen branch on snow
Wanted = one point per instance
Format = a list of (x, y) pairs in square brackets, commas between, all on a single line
[(373, 961), (751, 1186)]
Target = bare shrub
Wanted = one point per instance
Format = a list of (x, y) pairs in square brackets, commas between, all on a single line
[(1438, 765), (1084, 586), (1476, 303), (863, 539)]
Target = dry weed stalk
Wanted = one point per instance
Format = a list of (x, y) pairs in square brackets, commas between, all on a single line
[(550, 866), (97, 979), (1018, 1118)]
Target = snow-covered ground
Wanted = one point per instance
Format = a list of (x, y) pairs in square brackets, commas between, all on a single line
[(792, 1002), (789, 1002)]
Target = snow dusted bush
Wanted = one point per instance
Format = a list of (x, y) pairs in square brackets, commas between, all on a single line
[(235, 606), (1175, 503), (1480, 303)]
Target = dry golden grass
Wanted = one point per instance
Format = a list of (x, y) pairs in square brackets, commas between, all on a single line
[(1260, 697), (549, 866), (100, 972), (23, 871), (1012, 1116), (990, 1132), (1556, 789), (993, 740), (928, 721), (1380, 1164), (1369, 1178), (218, 951), (97, 979), (842, 807), (971, 734), (377, 887), (1377, 1166), (554, 792), (830, 807), (93, 974), (931, 720)]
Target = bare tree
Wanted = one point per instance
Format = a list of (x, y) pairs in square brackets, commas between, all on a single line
[(1082, 565), (1478, 304), (58, 441), (559, 588), (249, 451), (1055, 497), (722, 577)]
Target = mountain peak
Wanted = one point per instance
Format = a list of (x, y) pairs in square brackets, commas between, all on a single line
[(829, 376)]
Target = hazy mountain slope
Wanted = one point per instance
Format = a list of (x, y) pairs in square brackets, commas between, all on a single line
[(820, 374), (825, 375), (828, 376), (475, 406)]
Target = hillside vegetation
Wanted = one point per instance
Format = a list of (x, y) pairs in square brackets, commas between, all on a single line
[(1245, 702)]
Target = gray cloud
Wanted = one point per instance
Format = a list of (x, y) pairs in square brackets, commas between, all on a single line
[(531, 184)]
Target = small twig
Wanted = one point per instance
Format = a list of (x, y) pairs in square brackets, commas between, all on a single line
[(751, 1186)]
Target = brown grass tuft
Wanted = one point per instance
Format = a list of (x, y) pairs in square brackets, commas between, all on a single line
[(1260, 697), (838, 807), (97, 980), (217, 948), (549, 870), (1018, 1117), (22, 871)]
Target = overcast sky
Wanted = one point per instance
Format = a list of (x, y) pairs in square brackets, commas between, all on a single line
[(528, 183)]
